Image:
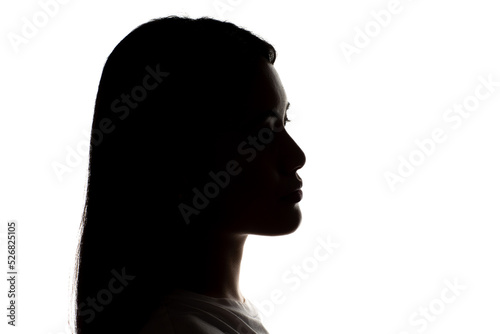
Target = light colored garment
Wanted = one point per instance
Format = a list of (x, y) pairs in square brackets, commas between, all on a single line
[(186, 312)]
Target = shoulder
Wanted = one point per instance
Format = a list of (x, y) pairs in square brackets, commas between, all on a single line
[(163, 321), (159, 323)]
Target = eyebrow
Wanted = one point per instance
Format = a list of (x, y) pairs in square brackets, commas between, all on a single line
[(271, 113), (256, 120)]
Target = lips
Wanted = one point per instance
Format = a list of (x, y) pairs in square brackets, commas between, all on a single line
[(294, 188), (293, 197)]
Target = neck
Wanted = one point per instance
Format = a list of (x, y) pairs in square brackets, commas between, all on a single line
[(212, 265)]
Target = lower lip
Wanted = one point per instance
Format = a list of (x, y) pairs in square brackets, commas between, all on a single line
[(294, 197)]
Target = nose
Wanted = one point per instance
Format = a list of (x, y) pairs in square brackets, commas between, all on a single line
[(291, 155)]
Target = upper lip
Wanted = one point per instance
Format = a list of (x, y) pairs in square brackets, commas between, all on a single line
[(293, 189)]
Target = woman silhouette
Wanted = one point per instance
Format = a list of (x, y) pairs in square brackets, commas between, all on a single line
[(188, 156)]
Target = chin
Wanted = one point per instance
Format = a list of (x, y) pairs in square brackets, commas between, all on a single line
[(282, 223)]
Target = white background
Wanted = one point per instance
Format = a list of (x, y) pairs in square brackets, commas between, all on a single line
[(353, 116)]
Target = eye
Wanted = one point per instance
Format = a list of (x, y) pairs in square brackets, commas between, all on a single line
[(287, 120)]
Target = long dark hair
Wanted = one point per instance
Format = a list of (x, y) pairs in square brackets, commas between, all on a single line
[(167, 89)]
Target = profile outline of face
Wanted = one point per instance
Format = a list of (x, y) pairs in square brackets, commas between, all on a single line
[(264, 164)]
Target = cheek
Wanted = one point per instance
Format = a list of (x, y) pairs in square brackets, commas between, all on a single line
[(256, 187), (253, 192)]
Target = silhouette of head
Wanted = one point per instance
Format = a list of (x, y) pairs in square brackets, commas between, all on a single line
[(184, 142), (267, 159)]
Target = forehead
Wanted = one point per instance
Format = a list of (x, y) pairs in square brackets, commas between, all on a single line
[(266, 91)]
